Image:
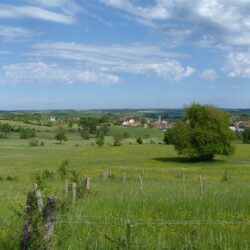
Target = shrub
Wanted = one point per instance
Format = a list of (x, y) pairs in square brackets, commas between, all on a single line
[(117, 140), (46, 174), (152, 141), (11, 178), (125, 135), (42, 143), (64, 169), (26, 133), (34, 143), (139, 140)]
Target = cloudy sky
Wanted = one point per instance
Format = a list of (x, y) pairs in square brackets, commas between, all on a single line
[(124, 53)]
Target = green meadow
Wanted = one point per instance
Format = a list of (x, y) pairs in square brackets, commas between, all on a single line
[(171, 212)]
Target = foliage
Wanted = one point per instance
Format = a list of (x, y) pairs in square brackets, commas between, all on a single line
[(89, 123), (26, 133), (103, 129), (64, 169), (139, 140), (34, 143), (117, 139), (100, 140), (167, 137), (11, 178), (61, 134), (85, 134), (246, 136), (125, 135), (5, 128), (203, 133)]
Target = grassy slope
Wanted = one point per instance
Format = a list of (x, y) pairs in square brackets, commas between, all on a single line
[(165, 197)]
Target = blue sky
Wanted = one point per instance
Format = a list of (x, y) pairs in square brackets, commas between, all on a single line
[(124, 53)]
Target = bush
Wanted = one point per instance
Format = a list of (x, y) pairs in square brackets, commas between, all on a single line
[(139, 140), (26, 133), (34, 143), (117, 140), (41, 143), (11, 178), (64, 169), (46, 174), (125, 135), (152, 141)]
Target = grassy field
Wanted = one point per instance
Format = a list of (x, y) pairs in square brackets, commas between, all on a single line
[(170, 213)]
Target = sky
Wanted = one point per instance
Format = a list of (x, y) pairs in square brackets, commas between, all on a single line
[(103, 54)]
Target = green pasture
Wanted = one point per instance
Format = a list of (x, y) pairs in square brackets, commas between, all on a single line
[(170, 213)]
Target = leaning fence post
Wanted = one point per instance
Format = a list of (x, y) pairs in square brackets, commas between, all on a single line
[(74, 192), (141, 183), (27, 226), (66, 187), (39, 198), (201, 185), (49, 218)]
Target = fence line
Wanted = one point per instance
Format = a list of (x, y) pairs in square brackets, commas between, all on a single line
[(122, 221)]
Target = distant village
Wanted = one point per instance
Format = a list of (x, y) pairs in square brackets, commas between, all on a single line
[(148, 123), (162, 124)]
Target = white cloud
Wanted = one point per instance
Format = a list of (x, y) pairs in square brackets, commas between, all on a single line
[(134, 59), (238, 65), (158, 11), (12, 11), (42, 73), (12, 34), (209, 74), (225, 21), (69, 7)]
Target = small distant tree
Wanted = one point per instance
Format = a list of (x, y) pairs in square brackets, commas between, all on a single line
[(5, 129), (103, 129), (100, 140), (139, 140), (61, 134), (26, 133), (246, 136), (125, 135), (117, 139), (85, 134)]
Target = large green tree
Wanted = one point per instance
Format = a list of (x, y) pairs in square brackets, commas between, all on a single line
[(203, 133)]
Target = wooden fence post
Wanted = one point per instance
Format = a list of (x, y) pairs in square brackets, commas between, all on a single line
[(141, 183), (49, 217), (39, 198), (74, 192), (66, 187), (87, 184), (124, 177), (27, 226), (201, 185)]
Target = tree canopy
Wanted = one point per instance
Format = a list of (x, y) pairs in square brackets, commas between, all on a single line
[(203, 133), (246, 136)]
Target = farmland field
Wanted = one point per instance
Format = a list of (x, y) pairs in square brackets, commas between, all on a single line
[(170, 213)]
